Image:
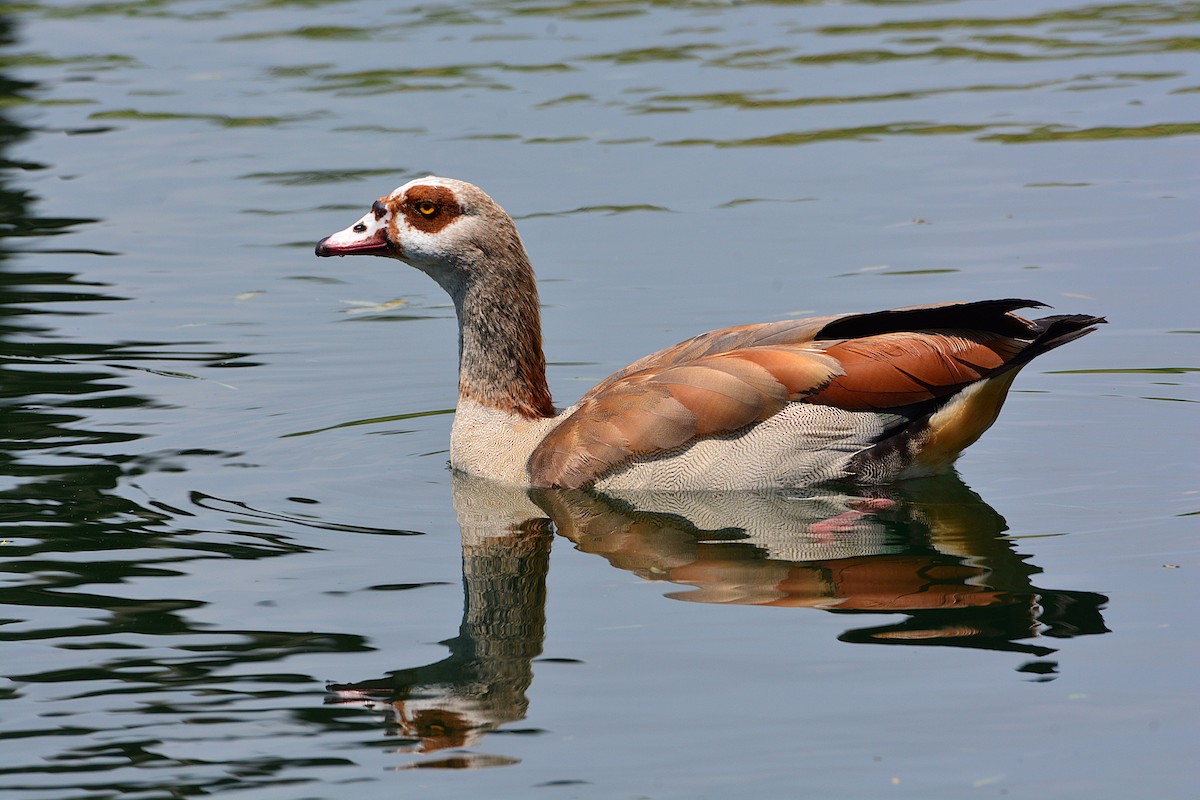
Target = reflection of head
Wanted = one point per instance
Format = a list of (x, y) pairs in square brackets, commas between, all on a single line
[(438, 727), (437, 719)]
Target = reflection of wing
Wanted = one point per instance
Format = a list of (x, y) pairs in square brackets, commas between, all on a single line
[(723, 381), (661, 528), (930, 549)]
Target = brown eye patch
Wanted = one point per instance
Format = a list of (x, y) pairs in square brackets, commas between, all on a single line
[(430, 208)]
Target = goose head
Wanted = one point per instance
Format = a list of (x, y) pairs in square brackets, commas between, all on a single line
[(449, 229), (460, 237)]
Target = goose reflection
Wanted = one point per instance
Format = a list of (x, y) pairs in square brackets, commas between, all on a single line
[(930, 550), (481, 685)]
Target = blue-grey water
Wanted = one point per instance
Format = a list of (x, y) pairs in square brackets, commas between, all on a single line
[(234, 561)]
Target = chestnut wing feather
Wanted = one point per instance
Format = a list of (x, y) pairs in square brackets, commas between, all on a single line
[(655, 410), (788, 333), (899, 369)]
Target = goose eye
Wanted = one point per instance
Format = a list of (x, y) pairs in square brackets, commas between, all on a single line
[(426, 208)]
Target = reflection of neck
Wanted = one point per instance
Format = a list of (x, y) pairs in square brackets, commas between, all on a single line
[(504, 619), (482, 683), (506, 556)]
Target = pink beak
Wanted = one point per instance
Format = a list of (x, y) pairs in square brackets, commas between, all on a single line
[(367, 237)]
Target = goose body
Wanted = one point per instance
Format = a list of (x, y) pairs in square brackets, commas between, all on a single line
[(867, 398)]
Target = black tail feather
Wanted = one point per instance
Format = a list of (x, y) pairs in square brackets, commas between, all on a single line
[(989, 315), (1055, 331)]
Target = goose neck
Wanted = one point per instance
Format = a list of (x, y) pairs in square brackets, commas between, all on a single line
[(501, 363)]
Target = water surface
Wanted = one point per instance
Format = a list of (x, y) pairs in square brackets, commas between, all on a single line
[(234, 558)]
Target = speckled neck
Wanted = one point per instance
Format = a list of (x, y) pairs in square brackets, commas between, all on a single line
[(501, 363)]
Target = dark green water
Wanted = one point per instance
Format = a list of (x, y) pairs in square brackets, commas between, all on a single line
[(234, 560)]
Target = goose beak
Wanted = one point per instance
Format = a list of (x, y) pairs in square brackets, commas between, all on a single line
[(367, 237)]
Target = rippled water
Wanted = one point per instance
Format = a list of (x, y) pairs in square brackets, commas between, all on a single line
[(234, 559)]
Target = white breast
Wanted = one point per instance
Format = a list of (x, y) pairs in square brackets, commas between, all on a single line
[(495, 444)]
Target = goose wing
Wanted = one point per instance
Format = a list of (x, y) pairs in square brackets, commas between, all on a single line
[(722, 381)]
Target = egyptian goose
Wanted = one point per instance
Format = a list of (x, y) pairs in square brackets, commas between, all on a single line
[(866, 398)]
